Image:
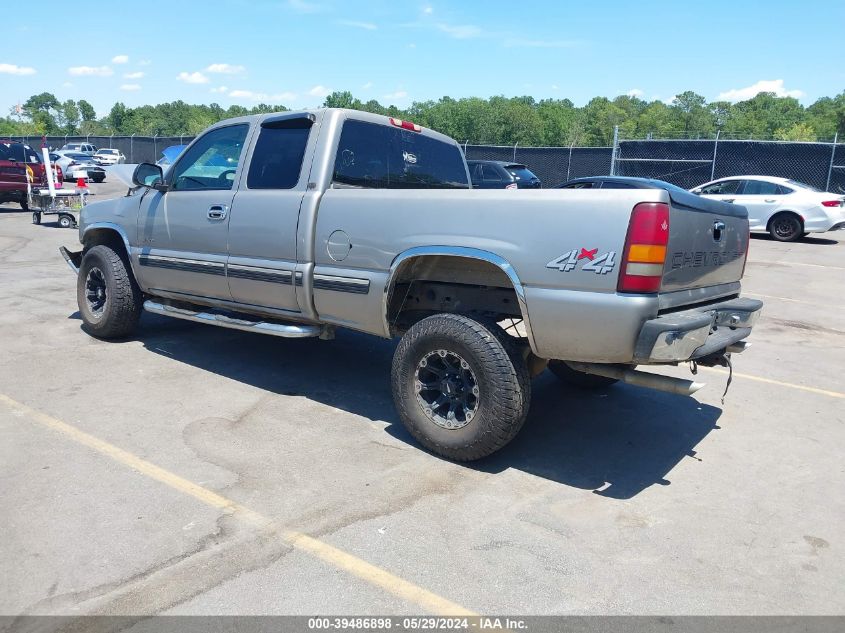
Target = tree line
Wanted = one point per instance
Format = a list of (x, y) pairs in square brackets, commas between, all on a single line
[(496, 121)]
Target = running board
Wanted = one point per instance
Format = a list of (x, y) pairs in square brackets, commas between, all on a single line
[(285, 330)]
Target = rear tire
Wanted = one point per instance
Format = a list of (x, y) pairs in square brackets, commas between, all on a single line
[(66, 221), (109, 299), (578, 378), (786, 227), (461, 386), (36, 217), (25, 204)]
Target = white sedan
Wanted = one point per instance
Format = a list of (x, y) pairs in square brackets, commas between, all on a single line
[(108, 156), (786, 209)]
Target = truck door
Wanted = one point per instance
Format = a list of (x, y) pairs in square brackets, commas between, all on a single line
[(183, 232), (265, 213)]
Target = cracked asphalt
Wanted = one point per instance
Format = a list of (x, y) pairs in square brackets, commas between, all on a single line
[(621, 501)]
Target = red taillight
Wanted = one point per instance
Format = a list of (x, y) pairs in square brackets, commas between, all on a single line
[(645, 248), (512, 185), (832, 203), (405, 125), (747, 248)]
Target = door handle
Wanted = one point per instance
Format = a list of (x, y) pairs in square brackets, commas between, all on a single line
[(217, 212), (771, 200), (728, 199)]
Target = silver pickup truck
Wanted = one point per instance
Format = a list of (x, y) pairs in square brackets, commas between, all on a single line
[(296, 223)]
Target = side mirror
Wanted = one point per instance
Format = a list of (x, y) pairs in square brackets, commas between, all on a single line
[(149, 175), (696, 192)]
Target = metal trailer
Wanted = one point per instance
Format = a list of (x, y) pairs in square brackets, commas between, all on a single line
[(65, 203)]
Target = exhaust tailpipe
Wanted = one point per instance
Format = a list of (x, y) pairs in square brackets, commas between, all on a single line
[(639, 378)]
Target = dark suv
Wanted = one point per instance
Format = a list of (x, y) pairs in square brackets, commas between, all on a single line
[(16, 159), (499, 174)]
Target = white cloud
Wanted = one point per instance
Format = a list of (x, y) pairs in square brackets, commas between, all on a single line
[(91, 71), (399, 94), (120, 59), (144, 62), (319, 91), (636, 93), (219, 89), (367, 85), (135, 75), (526, 43), (555, 87), (130, 87), (460, 31), (14, 69), (428, 10), (300, 6), (225, 69), (367, 26), (262, 96), (774, 85), (192, 78)]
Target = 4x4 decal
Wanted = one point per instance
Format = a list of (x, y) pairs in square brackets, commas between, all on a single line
[(593, 262)]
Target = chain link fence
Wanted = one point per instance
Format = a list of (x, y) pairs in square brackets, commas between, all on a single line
[(688, 163), (137, 149), (684, 162)]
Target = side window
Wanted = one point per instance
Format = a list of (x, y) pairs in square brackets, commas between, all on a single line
[(212, 161), (277, 159), (760, 188), (579, 185), (475, 172), (18, 153), (615, 184), (491, 174), (726, 187), (379, 156)]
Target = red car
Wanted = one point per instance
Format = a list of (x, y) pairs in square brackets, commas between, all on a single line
[(19, 162)]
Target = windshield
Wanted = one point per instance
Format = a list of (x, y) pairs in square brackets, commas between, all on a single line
[(520, 172), (107, 151)]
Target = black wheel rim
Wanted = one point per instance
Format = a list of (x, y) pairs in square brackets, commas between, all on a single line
[(447, 390), (95, 291), (785, 228)]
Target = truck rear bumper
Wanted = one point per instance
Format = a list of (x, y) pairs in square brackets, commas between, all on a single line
[(695, 333)]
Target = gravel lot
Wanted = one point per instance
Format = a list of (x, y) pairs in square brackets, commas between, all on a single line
[(179, 471)]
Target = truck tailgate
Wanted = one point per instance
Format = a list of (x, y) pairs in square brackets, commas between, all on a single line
[(707, 243)]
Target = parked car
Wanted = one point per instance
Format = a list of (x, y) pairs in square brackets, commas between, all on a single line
[(17, 160), (75, 165), (618, 182), (338, 218), (786, 209), (170, 154), (79, 148), (108, 156), (497, 174)]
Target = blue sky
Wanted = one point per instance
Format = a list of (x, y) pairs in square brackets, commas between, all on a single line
[(293, 52)]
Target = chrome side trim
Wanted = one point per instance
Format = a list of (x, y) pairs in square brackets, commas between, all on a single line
[(458, 251), (284, 330), (184, 265), (353, 285), (258, 273)]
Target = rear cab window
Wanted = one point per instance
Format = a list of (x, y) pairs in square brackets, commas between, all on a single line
[(382, 157)]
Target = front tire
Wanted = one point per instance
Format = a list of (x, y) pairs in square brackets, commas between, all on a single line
[(25, 204), (786, 227), (36, 217), (109, 299), (66, 221), (461, 386), (578, 378)]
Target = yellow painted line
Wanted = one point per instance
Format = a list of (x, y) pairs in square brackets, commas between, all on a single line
[(758, 261), (809, 303), (335, 557), (821, 392)]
